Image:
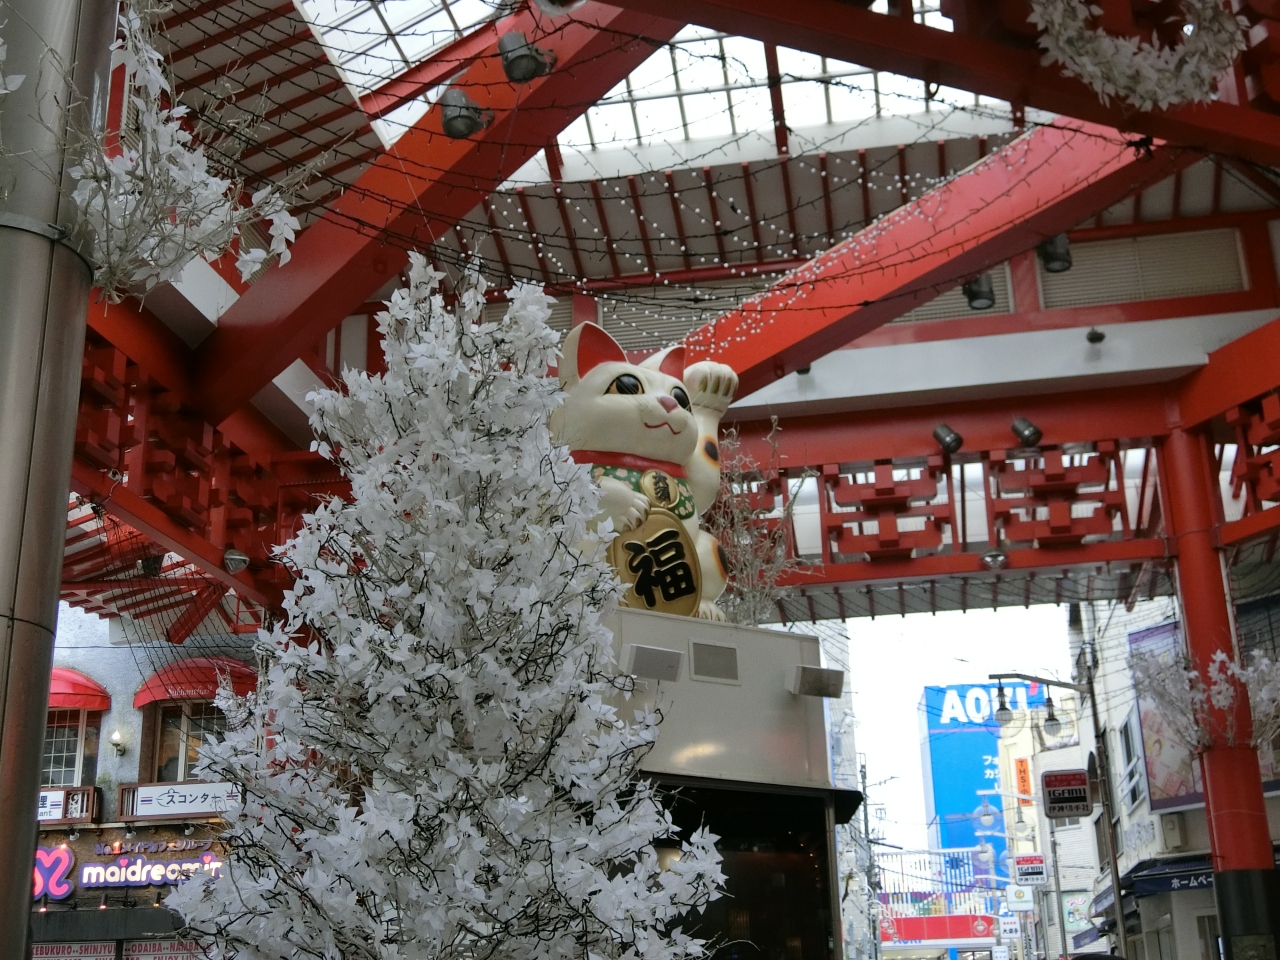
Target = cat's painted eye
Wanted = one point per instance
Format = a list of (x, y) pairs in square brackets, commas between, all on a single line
[(682, 398), (627, 384)]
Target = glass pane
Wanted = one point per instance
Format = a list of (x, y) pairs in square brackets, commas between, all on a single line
[(89, 765), (205, 720), (168, 756), (61, 739)]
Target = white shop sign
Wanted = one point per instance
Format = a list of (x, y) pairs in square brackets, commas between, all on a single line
[(1029, 868), (163, 949), (999, 953), (1010, 927), (183, 799), (1066, 794), (51, 804), (72, 951), (1019, 899)]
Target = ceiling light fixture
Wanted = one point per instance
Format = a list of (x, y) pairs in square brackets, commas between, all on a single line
[(461, 116), (980, 292), (948, 439), (1028, 433), (521, 60), (1055, 254)]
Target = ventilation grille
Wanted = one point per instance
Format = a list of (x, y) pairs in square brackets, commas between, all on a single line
[(655, 663), (1146, 268), (953, 303), (714, 661), (561, 313)]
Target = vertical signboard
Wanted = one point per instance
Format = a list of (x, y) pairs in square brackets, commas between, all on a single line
[(960, 750)]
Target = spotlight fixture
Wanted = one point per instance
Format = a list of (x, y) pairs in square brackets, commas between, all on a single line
[(1052, 725), (1055, 254), (117, 741), (1095, 336), (234, 560), (987, 815), (460, 115), (805, 370), (986, 853), (188, 829), (1028, 433), (1004, 716), (558, 8), (980, 293), (521, 60), (995, 559), (948, 439)]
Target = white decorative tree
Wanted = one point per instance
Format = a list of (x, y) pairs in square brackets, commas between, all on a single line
[(430, 768)]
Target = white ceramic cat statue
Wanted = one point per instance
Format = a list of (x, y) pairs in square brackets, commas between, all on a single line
[(650, 433)]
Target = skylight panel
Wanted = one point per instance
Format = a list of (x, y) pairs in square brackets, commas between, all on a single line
[(852, 98), (744, 59), (613, 125), (900, 96), (660, 120), (805, 103), (708, 115), (752, 109)]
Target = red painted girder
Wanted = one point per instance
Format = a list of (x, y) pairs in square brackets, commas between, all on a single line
[(150, 520), (201, 606), (1237, 372), (838, 29), (361, 240), (1033, 188), (161, 354), (970, 564), (907, 432), (450, 59)]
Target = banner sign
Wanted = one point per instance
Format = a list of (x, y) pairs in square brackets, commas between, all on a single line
[(1010, 927), (193, 799), (1029, 868), (1066, 794), (73, 951), (160, 950)]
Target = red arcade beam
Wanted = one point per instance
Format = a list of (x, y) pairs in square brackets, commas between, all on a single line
[(845, 31), (413, 194), (1035, 187)]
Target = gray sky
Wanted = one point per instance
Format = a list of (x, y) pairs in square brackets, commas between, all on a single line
[(892, 659)]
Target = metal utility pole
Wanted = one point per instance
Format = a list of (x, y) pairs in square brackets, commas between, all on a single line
[(1104, 776), (873, 920), (1057, 892), (60, 47)]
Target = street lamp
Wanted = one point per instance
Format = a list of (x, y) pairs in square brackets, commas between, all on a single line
[(987, 815), (1086, 689), (1052, 725), (1004, 716)]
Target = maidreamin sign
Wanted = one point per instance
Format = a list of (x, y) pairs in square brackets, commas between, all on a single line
[(54, 876)]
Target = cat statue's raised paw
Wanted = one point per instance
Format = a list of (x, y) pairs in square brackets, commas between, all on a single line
[(650, 433)]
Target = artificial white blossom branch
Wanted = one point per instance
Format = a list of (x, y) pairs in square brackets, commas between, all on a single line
[(1143, 75)]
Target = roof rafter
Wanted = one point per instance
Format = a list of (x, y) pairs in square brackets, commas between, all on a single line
[(1038, 185)]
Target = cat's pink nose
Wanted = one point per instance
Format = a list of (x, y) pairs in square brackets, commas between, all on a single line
[(668, 403)]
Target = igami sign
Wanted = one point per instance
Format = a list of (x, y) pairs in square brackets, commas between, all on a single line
[(1066, 794)]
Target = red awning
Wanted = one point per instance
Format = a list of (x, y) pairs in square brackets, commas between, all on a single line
[(196, 679), (71, 690)]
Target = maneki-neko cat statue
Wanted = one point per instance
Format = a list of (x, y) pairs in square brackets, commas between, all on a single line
[(649, 432)]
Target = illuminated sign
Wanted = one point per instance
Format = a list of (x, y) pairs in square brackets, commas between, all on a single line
[(54, 878), (141, 872)]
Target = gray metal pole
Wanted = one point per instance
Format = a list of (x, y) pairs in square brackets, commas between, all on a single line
[(1057, 892), (61, 46)]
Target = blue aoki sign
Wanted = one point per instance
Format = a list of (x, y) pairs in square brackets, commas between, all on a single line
[(960, 752)]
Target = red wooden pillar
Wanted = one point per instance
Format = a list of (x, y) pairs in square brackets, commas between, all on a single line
[(1245, 880)]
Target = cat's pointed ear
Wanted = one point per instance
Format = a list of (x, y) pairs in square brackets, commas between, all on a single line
[(669, 361), (587, 346)]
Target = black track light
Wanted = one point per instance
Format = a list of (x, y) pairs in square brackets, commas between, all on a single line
[(460, 115), (948, 439), (521, 60), (1095, 336), (980, 292), (1028, 433), (1055, 254)]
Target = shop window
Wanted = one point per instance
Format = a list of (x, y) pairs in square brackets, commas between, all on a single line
[(71, 748), (183, 729), (1207, 931), (1131, 779)]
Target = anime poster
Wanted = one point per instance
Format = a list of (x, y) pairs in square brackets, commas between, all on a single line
[(1173, 769), (1075, 911)]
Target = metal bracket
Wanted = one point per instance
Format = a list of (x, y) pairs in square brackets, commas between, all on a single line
[(50, 231)]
